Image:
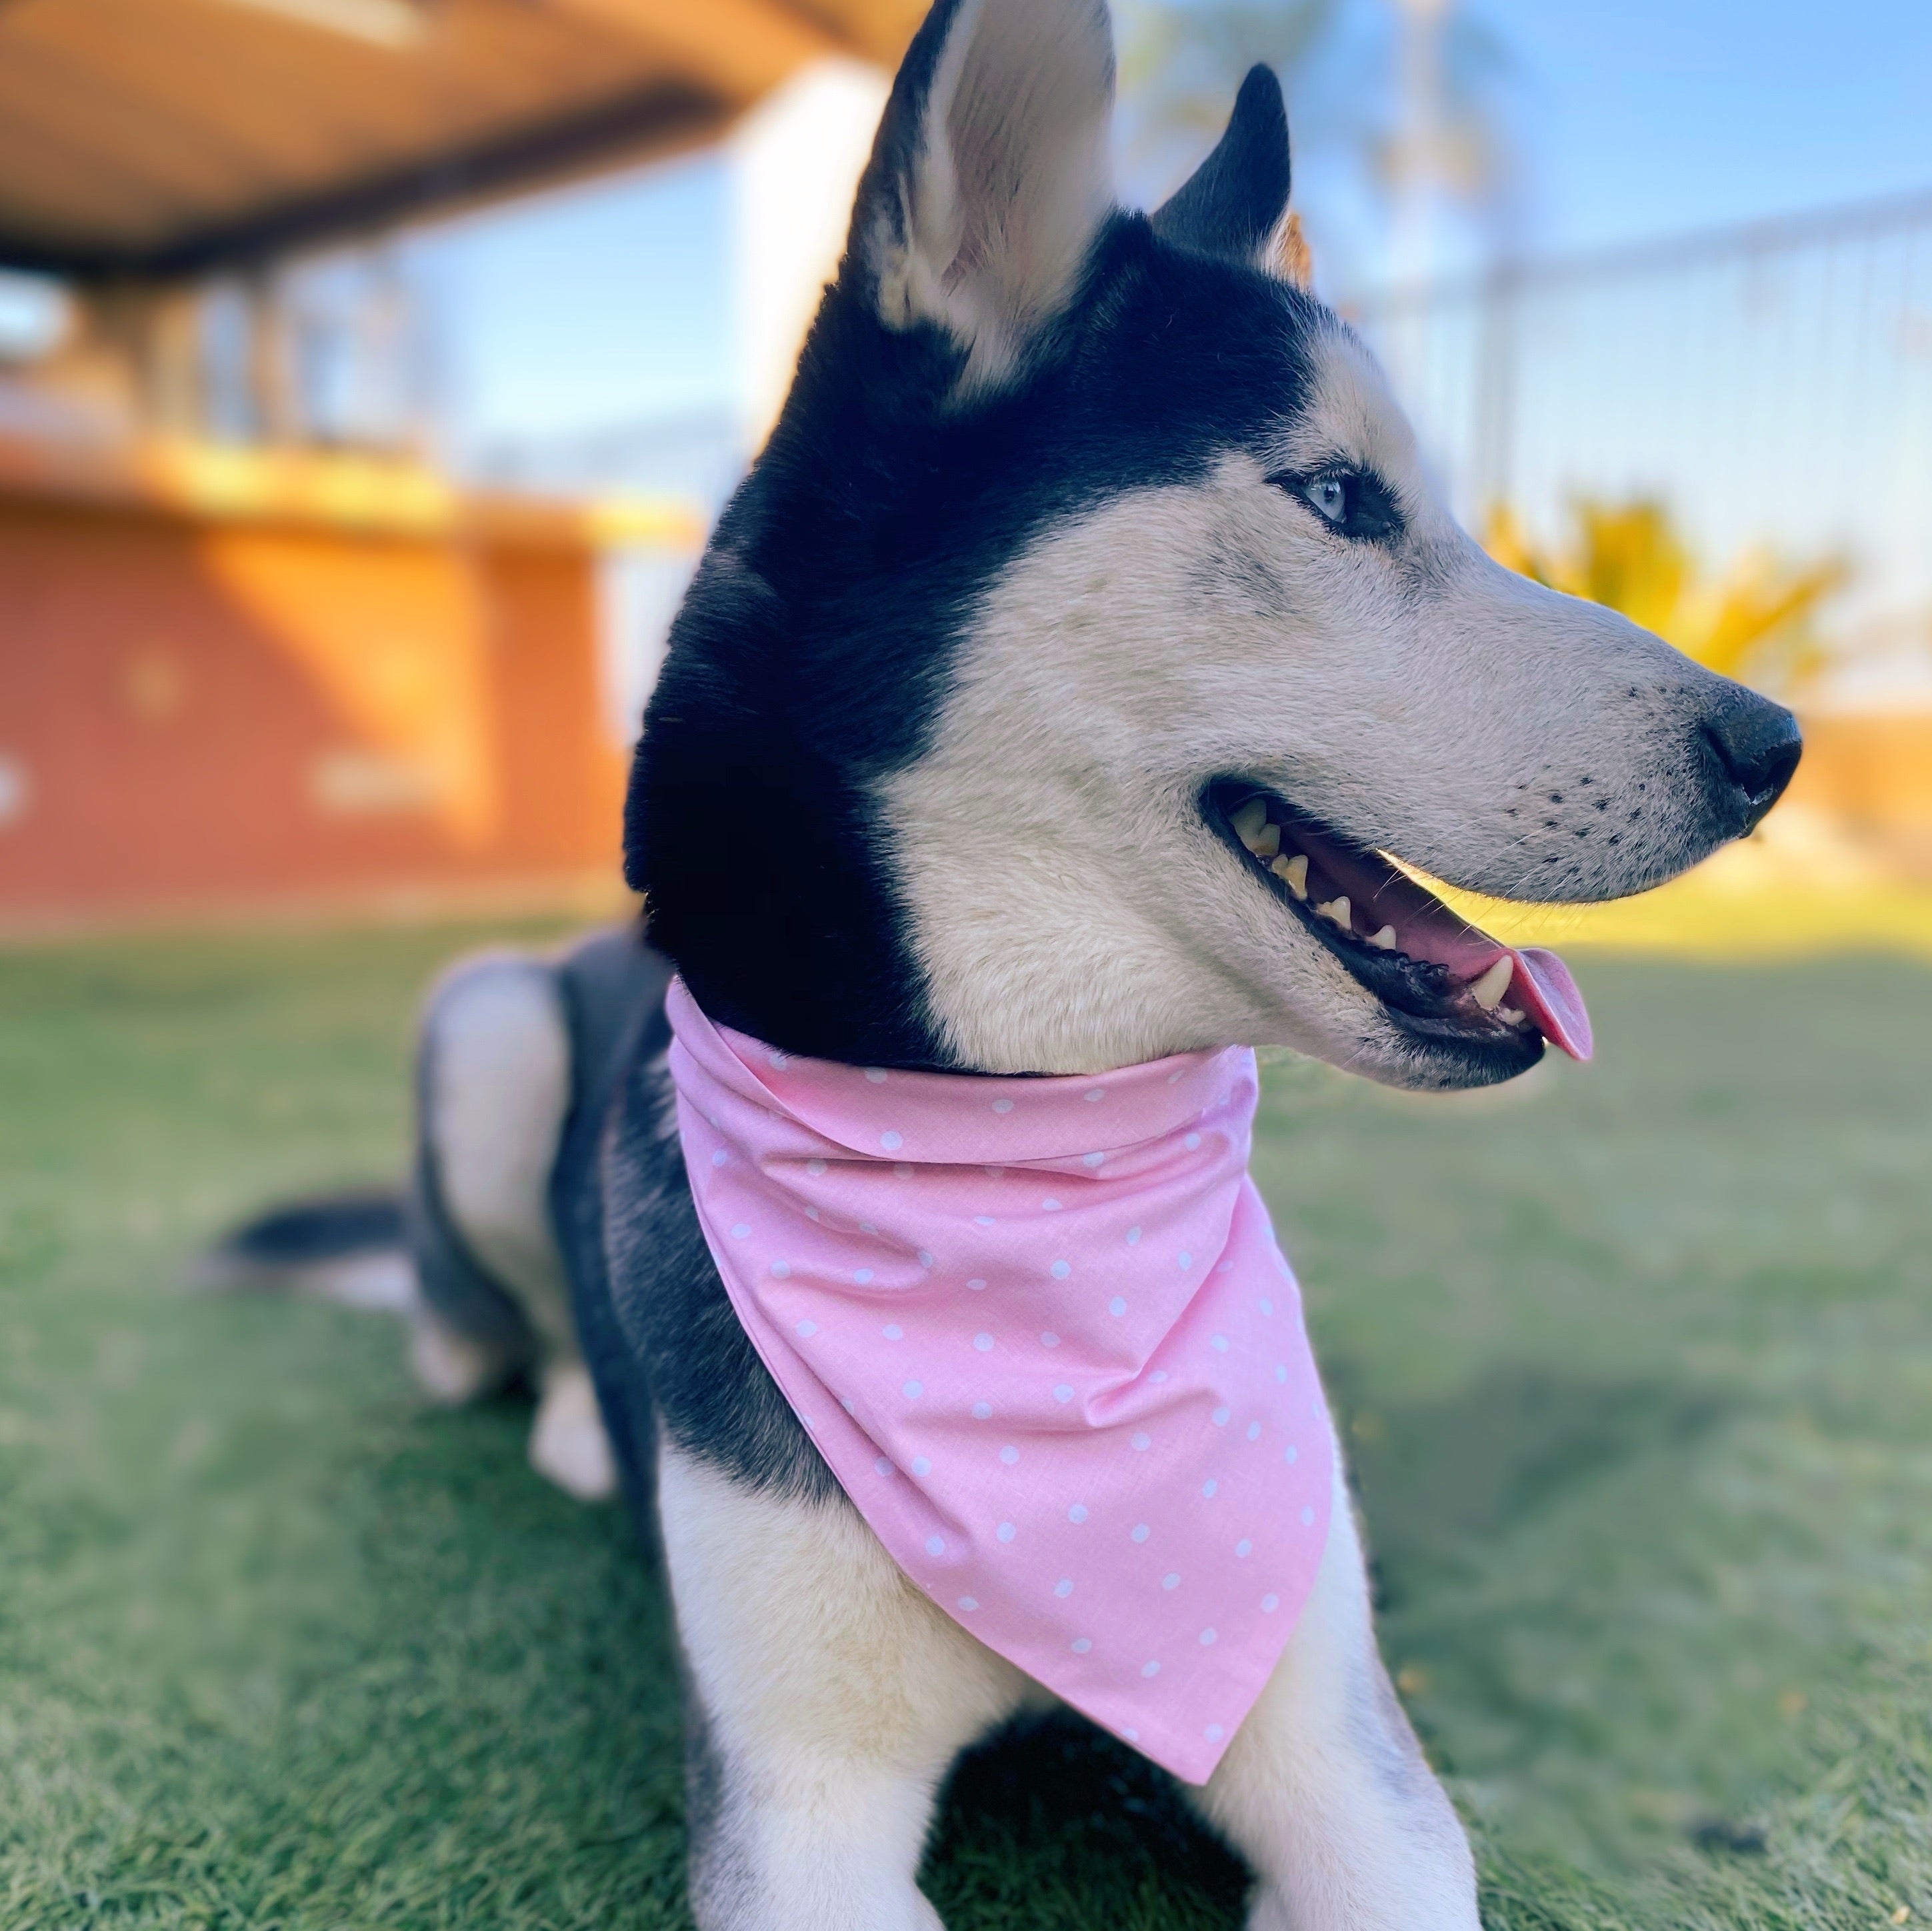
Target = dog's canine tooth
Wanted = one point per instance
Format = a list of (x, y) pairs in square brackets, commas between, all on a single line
[(1384, 939), (1248, 822), (1336, 910), (1293, 873), (1266, 842), (1488, 991)]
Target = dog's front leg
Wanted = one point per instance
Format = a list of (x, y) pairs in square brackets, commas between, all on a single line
[(1325, 1789), (828, 1697)]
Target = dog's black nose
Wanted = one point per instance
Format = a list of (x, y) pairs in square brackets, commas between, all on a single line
[(1759, 744)]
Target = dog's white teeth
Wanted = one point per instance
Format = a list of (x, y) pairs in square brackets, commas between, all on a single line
[(1336, 911), (1509, 1016), (1293, 873), (1248, 822), (1488, 991), (1266, 842), (1384, 939)]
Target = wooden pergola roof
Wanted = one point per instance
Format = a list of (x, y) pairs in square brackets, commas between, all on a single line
[(162, 139)]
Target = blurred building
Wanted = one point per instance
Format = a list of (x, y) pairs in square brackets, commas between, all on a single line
[(257, 645), (268, 633)]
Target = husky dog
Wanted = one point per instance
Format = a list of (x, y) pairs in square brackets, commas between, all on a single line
[(1054, 697)]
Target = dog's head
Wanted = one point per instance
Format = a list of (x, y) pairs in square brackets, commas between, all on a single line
[(1088, 638)]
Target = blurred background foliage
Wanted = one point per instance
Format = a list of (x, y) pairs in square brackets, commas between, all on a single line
[(1755, 620)]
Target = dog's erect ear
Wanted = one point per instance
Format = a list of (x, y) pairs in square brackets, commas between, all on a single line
[(1234, 203), (990, 177)]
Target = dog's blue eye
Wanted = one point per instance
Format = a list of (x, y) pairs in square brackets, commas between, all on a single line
[(1330, 495), (1354, 503)]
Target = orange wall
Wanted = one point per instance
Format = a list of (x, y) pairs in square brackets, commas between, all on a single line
[(1873, 771), (199, 711), (196, 711)]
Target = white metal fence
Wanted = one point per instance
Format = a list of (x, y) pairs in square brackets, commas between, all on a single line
[(1771, 384)]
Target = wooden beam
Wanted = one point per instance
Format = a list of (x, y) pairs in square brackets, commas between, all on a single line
[(740, 49), (658, 119)]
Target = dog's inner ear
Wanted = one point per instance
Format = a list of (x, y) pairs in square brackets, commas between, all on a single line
[(1234, 204), (990, 177)]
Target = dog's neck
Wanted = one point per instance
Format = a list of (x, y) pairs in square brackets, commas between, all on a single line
[(821, 636), (796, 672)]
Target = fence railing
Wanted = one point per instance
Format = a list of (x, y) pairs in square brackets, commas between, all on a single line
[(1772, 384)]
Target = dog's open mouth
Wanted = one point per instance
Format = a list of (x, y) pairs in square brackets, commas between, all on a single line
[(1438, 974)]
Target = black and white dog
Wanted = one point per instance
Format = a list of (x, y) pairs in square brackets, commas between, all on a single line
[(1082, 641)]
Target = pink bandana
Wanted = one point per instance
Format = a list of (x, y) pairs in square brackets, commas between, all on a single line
[(1041, 1331)]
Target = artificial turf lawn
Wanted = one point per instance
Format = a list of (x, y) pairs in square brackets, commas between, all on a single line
[(1636, 1365)]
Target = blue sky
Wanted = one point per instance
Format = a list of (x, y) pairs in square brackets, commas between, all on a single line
[(1650, 115), (611, 304), (605, 305)]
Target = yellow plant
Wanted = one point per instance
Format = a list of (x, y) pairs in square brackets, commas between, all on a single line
[(1755, 621)]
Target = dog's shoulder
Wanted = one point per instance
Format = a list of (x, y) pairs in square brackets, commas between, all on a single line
[(715, 1398)]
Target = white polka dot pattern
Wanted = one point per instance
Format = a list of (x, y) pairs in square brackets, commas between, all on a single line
[(894, 1240)]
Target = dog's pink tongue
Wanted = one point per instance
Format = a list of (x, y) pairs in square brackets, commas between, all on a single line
[(1548, 995)]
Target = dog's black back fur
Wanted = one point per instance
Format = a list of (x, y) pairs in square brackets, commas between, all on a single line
[(613, 988)]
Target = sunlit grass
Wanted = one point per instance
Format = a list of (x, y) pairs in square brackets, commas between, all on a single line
[(1636, 1362), (1798, 890), (1697, 919)]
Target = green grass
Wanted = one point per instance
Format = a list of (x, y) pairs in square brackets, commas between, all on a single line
[(1636, 1363)]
